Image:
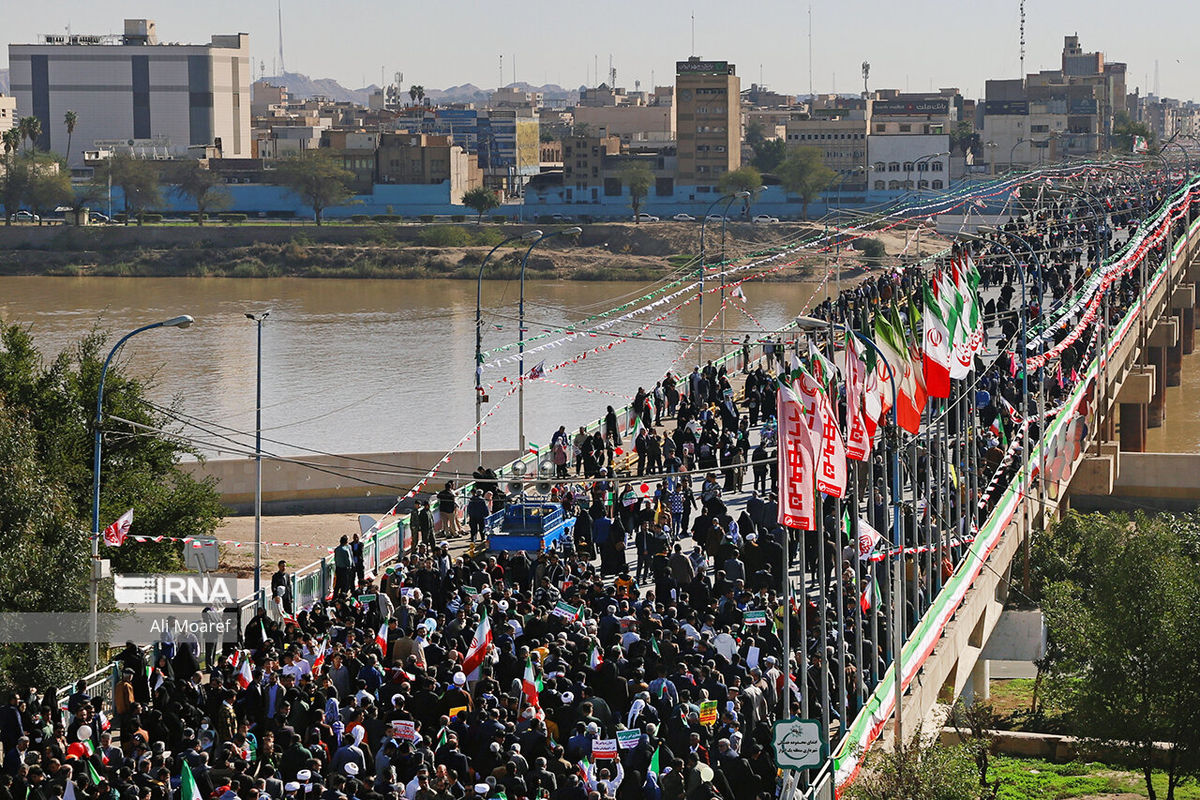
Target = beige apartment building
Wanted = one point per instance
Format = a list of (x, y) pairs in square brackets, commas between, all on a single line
[(842, 141), (427, 159), (708, 121)]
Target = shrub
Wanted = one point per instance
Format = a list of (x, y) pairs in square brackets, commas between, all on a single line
[(444, 236), (387, 217), (871, 248), (426, 218), (359, 219), (197, 217), (499, 219), (151, 218), (458, 217), (231, 218)]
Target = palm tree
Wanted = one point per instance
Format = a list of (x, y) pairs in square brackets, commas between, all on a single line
[(412, 93), (12, 140), (420, 93), (70, 119), (31, 129)]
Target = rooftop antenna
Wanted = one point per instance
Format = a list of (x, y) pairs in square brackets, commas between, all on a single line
[(514, 60), (866, 73), (693, 31), (810, 53), (500, 85), (279, 9), (612, 72), (596, 68), (1156, 77), (1022, 39)]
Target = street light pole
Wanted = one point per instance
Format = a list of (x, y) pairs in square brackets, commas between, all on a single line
[(479, 340), (1012, 150), (521, 330), (258, 321), (743, 195), (700, 298), (182, 321)]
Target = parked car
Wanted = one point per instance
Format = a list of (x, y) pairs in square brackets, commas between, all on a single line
[(765, 218), (96, 216), (683, 218), (714, 218), (561, 218), (26, 216), (644, 217)]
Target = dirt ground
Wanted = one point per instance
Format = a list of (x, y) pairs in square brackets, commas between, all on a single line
[(316, 532)]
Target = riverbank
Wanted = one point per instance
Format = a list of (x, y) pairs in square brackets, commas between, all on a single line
[(610, 251)]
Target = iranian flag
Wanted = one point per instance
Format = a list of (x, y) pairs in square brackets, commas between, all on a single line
[(825, 435), (480, 643), (937, 348), (531, 683), (636, 427), (594, 657), (870, 596), (910, 398), (656, 761), (381, 638), (319, 655), (797, 461), (188, 790), (244, 677)]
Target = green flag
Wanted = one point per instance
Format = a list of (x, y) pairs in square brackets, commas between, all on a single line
[(188, 790), (654, 759), (92, 774)]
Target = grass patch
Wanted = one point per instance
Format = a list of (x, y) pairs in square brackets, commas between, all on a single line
[(1035, 779), (679, 260), (1012, 699)]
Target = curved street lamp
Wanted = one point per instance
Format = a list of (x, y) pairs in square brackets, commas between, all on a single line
[(703, 222), (572, 231), (527, 236), (182, 321)]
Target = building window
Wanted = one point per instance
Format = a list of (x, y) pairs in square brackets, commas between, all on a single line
[(922, 184), (922, 166), (880, 166), (937, 184), (905, 128), (894, 186), (893, 166), (908, 184), (936, 166), (879, 186), (908, 166)]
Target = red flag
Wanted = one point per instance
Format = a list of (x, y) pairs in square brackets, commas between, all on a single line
[(858, 443), (244, 677), (114, 535), (823, 430), (319, 655), (795, 463), (381, 638)]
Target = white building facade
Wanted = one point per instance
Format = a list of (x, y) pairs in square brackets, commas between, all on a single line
[(132, 89)]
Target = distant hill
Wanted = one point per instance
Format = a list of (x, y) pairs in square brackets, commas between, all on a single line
[(302, 87), (4, 81)]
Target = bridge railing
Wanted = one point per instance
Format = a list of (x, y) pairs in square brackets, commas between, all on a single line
[(1054, 460)]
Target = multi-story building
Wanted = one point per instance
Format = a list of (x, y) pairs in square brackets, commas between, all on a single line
[(506, 140), (907, 161), (896, 113), (357, 152), (266, 98), (583, 165), (632, 123), (424, 159), (707, 121), (8, 112), (133, 87), (842, 140)]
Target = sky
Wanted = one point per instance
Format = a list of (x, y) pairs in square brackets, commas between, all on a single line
[(912, 45)]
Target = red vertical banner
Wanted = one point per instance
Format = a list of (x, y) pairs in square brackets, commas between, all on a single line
[(826, 438), (796, 503), (858, 442)]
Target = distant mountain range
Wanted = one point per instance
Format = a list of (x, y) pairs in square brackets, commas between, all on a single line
[(302, 87)]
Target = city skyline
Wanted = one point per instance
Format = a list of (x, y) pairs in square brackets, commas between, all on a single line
[(550, 46)]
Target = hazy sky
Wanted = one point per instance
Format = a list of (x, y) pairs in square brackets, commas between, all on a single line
[(913, 44)]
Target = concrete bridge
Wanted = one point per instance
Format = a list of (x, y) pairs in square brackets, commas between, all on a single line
[(1091, 455)]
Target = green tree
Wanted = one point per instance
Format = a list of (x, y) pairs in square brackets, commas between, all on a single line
[(743, 179), (45, 545), (923, 769), (46, 427), (49, 184), (139, 181), (803, 173), (317, 178), (480, 200), (205, 188), (1124, 130), (755, 133), (70, 119), (139, 471), (769, 154), (638, 179), (963, 137), (14, 182), (1125, 620)]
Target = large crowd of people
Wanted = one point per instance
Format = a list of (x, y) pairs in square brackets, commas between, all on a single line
[(643, 661)]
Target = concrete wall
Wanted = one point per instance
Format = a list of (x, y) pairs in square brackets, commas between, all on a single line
[(1164, 481), (290, 488), (1018, 636)]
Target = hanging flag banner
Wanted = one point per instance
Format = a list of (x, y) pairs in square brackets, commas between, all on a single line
[(858, 443), (114, 535), (868, 539), (824, 433), (795, 463)]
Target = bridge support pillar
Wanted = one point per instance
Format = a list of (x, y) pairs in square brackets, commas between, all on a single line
[(1175, 362), (1187, 334), (978, 686), (1157, 358), (1133, 427)]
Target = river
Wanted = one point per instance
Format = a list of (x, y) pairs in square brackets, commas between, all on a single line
[(352, 366)]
